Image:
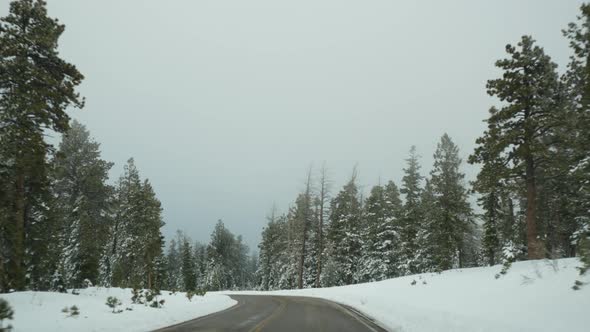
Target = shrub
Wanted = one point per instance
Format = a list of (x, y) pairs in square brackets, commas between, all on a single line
[(6, 312), (113, 302), (74, 310)]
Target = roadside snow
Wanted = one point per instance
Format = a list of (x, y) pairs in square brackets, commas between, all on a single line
[(42, 311), (533, 296)]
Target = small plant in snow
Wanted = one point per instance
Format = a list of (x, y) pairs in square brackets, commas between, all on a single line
[(413, 282), (6, 312), (86, 283), (189, 295), (509, 253), (113, 302), (65, 310), (137, 296), (74, 311)]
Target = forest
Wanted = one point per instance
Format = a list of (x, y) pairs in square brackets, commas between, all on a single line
[(64, 224)]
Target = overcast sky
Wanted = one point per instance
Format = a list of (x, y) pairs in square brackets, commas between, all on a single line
[(225, 104)]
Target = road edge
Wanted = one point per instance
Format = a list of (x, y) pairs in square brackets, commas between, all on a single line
[(235, 306)]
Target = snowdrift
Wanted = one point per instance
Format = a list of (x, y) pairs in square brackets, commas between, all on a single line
[(42, 311)]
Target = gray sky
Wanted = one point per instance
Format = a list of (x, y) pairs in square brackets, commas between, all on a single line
[(225, 104)]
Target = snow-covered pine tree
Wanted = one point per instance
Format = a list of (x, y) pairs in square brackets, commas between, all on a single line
[(411, 219), (173, 268), (135, 239), (82, 199), (380, 237), (344, 232), (200, 257), (273, 245), (425, 239), (219, 251)]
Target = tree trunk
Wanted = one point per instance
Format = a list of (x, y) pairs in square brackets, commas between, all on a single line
[(19, 233), (535, 251)]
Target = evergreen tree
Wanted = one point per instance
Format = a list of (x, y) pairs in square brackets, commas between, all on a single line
[(189, 277), (135, 240), (577, 81), (380, 237), (452, 225), (528, 87), (219, 253), (272, 252), (83, 202), (304, 219), (344, 232), (173, 266), (411, 219), (321, 216), (36, 87)]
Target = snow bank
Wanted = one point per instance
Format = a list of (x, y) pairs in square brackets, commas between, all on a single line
[(42, 311), (533, 296)]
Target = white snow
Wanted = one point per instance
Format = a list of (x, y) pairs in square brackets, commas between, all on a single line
[(533, 296), (42, 311)]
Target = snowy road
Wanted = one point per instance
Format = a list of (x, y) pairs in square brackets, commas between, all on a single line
[(255, 313)]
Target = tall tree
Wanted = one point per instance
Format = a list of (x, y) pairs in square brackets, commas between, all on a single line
[(304, 218), (321, 201), (189, 276), (344, 231), (36, 87), (135, 240), (411, 222), (528, 89), (577, 79), (83, 202), (454, 215), (380, 235)]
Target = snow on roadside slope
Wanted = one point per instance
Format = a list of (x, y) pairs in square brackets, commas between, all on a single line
[(41, 311), (533, 296)]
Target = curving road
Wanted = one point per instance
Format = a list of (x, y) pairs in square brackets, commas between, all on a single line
[(256, 313)]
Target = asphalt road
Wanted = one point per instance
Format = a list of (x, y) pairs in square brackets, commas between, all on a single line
[(256, 313)]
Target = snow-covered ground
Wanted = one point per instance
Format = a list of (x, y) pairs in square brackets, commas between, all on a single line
[(533, 296), (42, 311)]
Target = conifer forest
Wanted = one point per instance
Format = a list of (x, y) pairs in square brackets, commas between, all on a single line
[(65, 223)]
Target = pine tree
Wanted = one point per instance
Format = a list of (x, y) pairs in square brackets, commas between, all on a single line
[(272, 251), (528, 87), (577, 81), (453, 222), (36, 86), (219, 251), (173, 266), (304, 220), (189, 277), (135, 240), (411, 219), (321, 213), (380, 237), (344, 232), (83, 202)]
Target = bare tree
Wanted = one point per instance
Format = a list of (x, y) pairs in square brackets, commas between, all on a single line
[(322, 201)]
